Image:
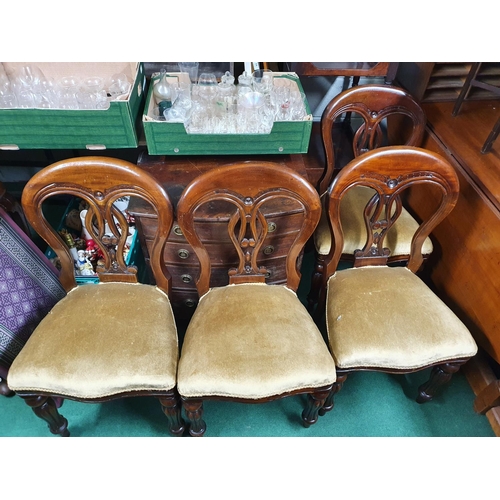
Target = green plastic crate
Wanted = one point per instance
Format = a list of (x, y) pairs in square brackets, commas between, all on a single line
[(286, 137), (117, 127)]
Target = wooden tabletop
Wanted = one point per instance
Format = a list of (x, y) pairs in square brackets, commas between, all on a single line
[(464, 135)]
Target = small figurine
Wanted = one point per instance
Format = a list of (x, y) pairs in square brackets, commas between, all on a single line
[(83, 264), (92, 251)]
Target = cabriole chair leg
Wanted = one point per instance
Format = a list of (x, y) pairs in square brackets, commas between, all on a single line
[(46, 408)]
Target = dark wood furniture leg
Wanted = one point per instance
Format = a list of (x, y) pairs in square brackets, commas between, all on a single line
[(315, 401), (194, 411), (45, 408), (472, 81), (172, 409), (491, 138), (474, 70), (328, 404), (4, 388), (391, 73), (440, 375)]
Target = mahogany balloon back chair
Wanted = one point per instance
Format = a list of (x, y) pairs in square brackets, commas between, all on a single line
[(381, 317), (377, 106), (113, 339), (250, 341)]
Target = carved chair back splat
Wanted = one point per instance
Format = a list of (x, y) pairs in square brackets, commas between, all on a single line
[(389, 115), (250, 341), (116, 338), (264, 183), (374, 104), (385, 318)]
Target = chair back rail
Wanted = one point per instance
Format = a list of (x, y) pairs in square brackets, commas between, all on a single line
[(100, 181), (373, 103), (248, 187), (389, 171)]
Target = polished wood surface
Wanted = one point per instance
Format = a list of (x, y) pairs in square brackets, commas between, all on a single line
[(175, 173), (463, 136), (389, 171), (464, 268), (245, 188), (373, 104), (389, 116), (356, 69), (100, 181)]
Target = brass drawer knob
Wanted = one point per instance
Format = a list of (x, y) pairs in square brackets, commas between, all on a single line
[(190, 303), (177, 230), (271, 227), (183, 253), (268, 274), (268, 250), (186, 278)]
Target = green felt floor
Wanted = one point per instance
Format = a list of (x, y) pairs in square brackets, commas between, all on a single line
[(370, 404)]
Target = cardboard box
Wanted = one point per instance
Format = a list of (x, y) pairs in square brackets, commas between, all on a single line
[(164, 138), (116, 127)]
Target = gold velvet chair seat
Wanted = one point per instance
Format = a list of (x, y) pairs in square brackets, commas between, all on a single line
[(251, 340), (110, 340), (283, 350), (385, 317), (398, 238), (388, 115), (72, 352)]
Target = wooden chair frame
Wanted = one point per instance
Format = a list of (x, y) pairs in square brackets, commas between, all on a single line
[(389, 171), (248, 185), (100, 181), (374, 104)]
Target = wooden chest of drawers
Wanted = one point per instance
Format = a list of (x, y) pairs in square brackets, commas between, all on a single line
[(283, 221)]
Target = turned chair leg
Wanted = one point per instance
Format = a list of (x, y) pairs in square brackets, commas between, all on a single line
[(5, 389), (45, 408), (316, 282), (315, 401), (194, 411), (440, 375), (172, 409), (328, 405)]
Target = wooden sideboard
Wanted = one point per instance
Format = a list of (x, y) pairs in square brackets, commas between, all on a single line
[(175, 173), (465, 265)]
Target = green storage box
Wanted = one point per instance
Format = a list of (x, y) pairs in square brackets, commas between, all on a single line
[(116, 127), (286, 137)]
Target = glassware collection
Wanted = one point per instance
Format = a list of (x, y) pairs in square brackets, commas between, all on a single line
[(206, 106), (28, 87)]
